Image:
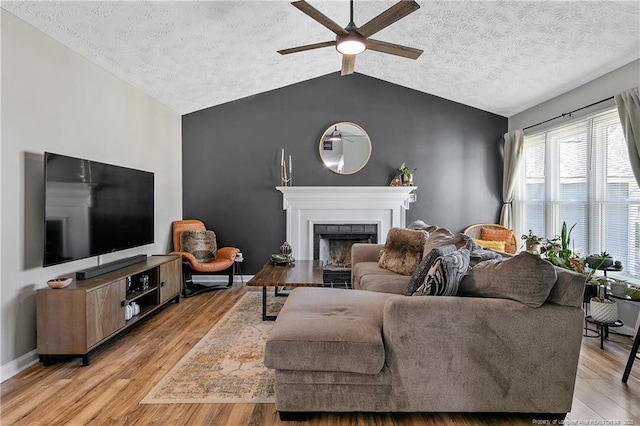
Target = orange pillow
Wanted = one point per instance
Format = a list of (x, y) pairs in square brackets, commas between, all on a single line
[(497, 235)]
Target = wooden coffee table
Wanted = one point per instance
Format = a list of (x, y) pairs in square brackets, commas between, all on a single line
[(301, 273)]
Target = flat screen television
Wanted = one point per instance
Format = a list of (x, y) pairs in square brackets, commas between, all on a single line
[(93, 208)]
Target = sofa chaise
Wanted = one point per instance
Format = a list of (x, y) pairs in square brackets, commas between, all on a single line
[(375, 349)]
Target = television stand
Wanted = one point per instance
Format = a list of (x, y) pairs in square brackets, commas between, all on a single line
[(75, 320), (110, 267)]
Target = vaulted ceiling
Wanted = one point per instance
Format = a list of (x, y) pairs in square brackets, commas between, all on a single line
[(499, 56)]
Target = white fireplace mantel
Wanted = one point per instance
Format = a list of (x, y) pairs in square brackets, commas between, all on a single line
[(306, 206)]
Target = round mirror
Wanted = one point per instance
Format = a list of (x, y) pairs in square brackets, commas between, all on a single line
[(345, 148)]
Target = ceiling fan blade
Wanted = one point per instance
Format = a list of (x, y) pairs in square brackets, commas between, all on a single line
[(307, 47), (318, 16), (388, 17), (348, 64), (393, 49)]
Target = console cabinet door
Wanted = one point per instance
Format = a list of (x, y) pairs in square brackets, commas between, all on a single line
[(105, 311), (170, 280)]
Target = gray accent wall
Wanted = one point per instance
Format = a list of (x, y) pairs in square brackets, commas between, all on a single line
[(231, 152)]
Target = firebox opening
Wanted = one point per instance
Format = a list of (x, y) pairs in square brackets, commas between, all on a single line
[(332, 245)]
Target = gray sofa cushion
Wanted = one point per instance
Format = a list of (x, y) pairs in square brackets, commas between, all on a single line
[(525, 278), (369, 276), (569, 288), (342, 332), (396, 284)]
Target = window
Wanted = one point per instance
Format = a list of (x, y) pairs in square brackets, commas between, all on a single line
[(580, 173)]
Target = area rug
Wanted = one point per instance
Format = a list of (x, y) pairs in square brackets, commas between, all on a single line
[(225, 366)]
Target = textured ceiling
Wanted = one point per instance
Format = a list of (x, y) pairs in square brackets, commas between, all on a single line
[(499, 56)]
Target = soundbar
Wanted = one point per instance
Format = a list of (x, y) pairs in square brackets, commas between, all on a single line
[(110, 267)]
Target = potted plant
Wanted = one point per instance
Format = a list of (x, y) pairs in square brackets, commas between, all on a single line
[(557, 250), (603, 309), (406, 174), (601, 261), (633, 292), (533, 243), (618, 287)]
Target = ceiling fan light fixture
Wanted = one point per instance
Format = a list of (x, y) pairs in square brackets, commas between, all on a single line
[(350, 44)]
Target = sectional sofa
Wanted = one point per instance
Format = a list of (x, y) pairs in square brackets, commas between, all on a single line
[(489, 348)]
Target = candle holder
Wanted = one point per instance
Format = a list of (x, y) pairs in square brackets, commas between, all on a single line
[(285, 181)]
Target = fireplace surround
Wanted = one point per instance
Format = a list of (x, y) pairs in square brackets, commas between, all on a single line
[(307, 206)]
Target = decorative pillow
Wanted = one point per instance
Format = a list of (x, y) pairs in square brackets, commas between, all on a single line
[(498, 235), (420, 274), (525, 278), (445, 275), (201, 244), (402, 250), (496, 245)]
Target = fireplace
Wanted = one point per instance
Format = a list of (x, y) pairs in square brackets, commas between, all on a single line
[(308, 205), (332, 245)]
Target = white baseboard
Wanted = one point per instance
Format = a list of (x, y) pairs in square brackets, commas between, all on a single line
[(12, 368)]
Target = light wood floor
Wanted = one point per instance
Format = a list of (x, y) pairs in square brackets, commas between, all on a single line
[(122, 372)]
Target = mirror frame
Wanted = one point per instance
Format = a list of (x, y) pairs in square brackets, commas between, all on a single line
[(330, 129)]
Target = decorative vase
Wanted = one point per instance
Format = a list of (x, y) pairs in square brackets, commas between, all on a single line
[(285, 249), (533, 247), (407, 180), (606, 312)]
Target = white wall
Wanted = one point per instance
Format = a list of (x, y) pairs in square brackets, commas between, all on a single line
[(601, 88), (55, 100)]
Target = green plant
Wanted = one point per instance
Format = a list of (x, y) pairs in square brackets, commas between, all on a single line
[(405, 171), (532, 238), (558, 251)]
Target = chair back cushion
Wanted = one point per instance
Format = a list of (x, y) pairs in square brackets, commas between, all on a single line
[(178, 226), (201, 244)]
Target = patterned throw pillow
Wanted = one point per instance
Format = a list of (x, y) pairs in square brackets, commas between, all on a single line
[(422, 270), (445, 275), (498, 235), (201, 244), (402, 250)]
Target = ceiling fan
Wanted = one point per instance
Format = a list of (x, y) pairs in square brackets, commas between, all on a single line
[(352, 40)]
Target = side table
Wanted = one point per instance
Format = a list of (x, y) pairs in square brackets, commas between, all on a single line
[(603, 328)]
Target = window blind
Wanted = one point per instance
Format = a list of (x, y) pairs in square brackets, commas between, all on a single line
[(579, 173)]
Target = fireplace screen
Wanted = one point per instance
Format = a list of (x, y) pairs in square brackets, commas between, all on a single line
[(332, 245)]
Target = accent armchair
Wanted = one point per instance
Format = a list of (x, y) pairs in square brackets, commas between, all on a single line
[(222, 263)]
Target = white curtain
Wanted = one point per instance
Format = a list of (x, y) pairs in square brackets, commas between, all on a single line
[(628, 104), (513, 149)]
